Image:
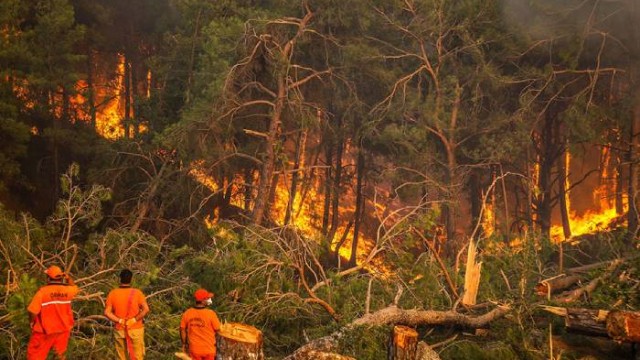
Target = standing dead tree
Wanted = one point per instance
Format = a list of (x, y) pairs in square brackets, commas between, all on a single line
[(268, 84)]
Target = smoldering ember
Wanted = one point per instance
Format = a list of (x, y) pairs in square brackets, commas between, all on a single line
[(295, 179)]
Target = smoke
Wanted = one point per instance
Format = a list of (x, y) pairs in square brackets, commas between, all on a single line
[(545, 19)]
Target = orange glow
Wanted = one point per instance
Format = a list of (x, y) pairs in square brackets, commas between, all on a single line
[(488, 220), (604, 214), (306, 215)]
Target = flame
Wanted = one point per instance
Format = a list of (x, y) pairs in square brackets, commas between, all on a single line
[(109, 118), (306, 214), (604, 215), (488, 220)]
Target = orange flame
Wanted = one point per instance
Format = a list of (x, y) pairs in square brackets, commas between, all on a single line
[(604, 215)]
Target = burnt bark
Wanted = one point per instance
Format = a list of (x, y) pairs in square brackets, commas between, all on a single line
[(562, 195), (632, 186), (337, 182), (300, 146), (586, 321), (360, 205), (127, 95), (327, 192)]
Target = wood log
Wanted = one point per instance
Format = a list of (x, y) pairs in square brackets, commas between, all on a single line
[(555, 284), (412, 317), (624, 326), (394, 315), (321, 355), (239, 342), (586, 321), (404, 343)]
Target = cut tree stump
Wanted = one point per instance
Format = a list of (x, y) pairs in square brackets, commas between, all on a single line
[(404, 343), (624, 326), (239, 342)]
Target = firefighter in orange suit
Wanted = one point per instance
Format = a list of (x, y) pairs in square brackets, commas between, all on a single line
[(198, 328), (126, 306), (51, 316)]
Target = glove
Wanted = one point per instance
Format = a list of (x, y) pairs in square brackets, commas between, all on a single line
[(130, 322)]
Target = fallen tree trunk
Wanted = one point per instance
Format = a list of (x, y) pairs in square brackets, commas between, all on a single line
[(394, 315), (586, 321), (588, 289), (624, 326), (549, 286), (412, 317)]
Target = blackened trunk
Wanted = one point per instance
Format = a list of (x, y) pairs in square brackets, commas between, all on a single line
[(632, 186), (562, 193), (335, 203), (475, 197), (248, 188), (90, 92), (327, 190), (300, 145), (360, 205), (127, 96)]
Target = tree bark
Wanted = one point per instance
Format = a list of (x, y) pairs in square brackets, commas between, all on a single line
[(239, 342), (634, 143), (360, 205), (624, 326), (562, 194), (404, 343), (300, 146), (327, 192), (337, 183), (546, 287), (127, 95), (413, 317)]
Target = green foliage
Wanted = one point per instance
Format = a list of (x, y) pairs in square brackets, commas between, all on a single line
[(365, 343), (467, 350)]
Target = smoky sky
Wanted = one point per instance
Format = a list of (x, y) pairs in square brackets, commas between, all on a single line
[(616, 21)]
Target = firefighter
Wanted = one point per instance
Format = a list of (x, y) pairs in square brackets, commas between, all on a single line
[(198, 328), (126, 306), (51, 316)]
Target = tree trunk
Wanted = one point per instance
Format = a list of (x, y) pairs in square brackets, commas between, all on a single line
[(248, 188), (300, 146), (90, 90), (547, 287), (562, 194), (269, 161), (586, 321), (634, 143), (327, 192), (403, 344), (544, 180), (239, 342), (476, 202), (360, 205), (127, 95), (337, 182), (623, 326)]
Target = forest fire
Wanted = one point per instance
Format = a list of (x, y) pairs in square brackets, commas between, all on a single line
[(606, 211), (305, 215)]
